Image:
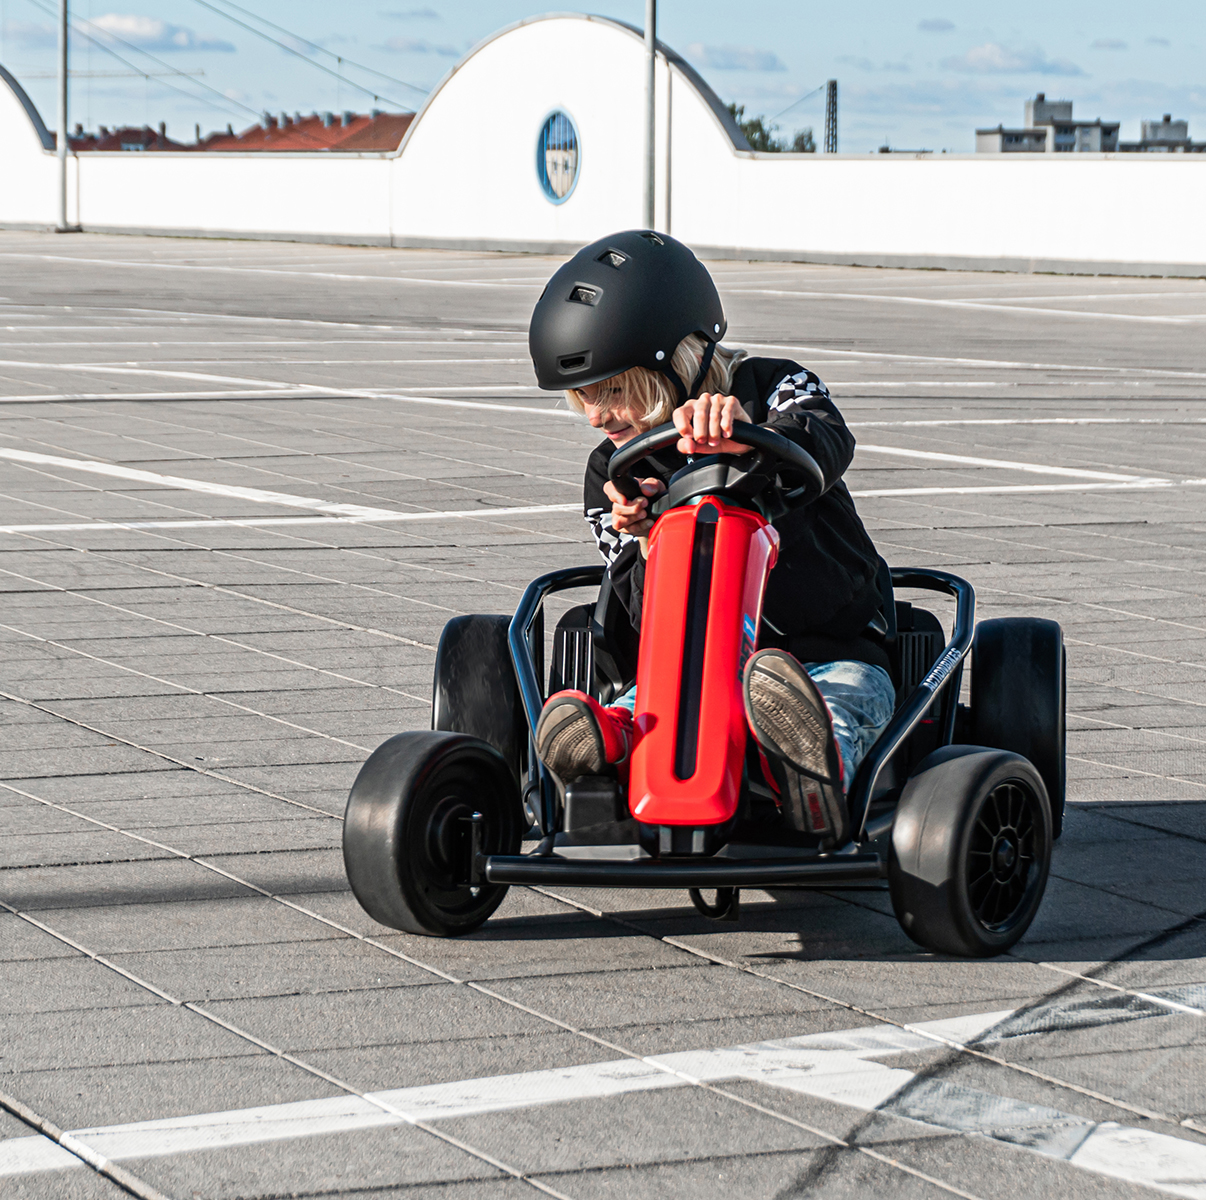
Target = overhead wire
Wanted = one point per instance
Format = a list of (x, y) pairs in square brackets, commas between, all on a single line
[(321, 49), (306, 58), (801, 100), (228, 102)]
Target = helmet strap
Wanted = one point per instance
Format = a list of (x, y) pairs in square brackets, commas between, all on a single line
[(705, 364)]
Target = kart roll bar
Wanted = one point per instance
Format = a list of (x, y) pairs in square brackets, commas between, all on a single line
[(525, 628), (521, 641), (947, 666)]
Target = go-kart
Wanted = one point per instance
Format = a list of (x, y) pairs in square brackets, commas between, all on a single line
[(956, 804)]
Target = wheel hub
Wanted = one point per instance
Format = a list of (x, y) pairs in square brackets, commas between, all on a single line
[(446, 834), (1004, 855)]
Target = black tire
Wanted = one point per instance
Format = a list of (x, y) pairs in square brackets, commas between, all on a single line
[(405, 843), (475, 690), (1019, 698), (970, 852)]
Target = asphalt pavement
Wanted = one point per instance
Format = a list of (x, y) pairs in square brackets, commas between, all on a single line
[(242, 488)]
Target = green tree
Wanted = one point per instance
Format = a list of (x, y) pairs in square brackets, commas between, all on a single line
[(760, 133)]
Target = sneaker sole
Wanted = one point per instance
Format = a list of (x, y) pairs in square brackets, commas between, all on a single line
[(785, 716), (568, 741), (790, 720)]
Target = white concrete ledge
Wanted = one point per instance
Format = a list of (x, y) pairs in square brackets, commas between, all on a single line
[(465, 178)]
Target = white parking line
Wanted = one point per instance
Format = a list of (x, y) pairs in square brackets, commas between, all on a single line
[(1004, 464), (1031, 489), (160, 397), (163, 266), (1188, 319), (385, 517), (837, 1067), (1011, 364), (332, 512), (107, 369), (255, 495), (1027, 421)]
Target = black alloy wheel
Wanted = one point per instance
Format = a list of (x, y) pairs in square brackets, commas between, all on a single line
[(971, 850), (1001, 854), (409, 826)]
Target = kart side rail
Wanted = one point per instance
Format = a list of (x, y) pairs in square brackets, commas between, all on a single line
[(942, 679), (940, 684)]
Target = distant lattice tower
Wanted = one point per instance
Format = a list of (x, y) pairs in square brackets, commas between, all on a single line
[(831, 117)]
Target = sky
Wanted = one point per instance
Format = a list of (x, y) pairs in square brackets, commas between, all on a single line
[(910, 75)]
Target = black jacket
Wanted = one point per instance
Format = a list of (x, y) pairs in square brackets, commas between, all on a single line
[(822, 592)]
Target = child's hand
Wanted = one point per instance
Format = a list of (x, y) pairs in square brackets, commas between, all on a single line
[(706, 425), (632, 516)]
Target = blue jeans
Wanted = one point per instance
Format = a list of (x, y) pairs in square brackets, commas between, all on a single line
[(860, 698)]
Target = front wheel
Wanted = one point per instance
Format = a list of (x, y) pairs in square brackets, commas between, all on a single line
[(971, 849), (407, 833)]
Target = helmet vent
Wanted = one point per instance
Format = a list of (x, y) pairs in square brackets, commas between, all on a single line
[(650, 236), (612, 258), (584, 295), (569, 363)]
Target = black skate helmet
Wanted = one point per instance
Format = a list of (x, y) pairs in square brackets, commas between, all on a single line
[(623, 301)]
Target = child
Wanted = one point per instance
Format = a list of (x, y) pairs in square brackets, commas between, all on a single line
[(631, 328)]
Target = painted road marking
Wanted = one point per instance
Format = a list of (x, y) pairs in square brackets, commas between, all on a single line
[(388, 517), (266, 522), (255, 495), (333, 511), (1186, 319), (1002, 463), (163, 266), (840, 1067)]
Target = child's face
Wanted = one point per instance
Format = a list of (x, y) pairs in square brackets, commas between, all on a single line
[(605, 409)]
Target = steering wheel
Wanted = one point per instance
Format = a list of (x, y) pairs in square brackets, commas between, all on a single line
[(767, 441)]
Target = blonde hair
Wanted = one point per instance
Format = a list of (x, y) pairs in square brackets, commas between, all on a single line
[(651, 397)]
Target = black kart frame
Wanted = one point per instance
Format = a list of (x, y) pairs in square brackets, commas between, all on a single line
[(858, 862)]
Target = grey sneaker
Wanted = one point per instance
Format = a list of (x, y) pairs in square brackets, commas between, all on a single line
[(791, 721)]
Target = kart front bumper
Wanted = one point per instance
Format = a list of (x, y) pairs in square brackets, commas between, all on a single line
[(819, 871)]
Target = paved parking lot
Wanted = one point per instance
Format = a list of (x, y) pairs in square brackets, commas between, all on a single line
[(243, 486)]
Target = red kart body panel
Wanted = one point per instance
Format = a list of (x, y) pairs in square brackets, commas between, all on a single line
[(704, 581)]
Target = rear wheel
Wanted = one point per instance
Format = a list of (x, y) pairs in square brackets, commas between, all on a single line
[(971, 849), (475, 690), (1018, 694), (407, 833)]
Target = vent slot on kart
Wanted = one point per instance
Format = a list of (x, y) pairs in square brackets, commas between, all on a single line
[(690, 693), (919, 642), (573, 662)]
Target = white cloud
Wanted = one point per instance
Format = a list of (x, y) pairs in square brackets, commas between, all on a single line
[(30, 36), (935, 25), (409, 45), (994, 59), (865, 64), (150, 33), (1108, 44), (734, 58)]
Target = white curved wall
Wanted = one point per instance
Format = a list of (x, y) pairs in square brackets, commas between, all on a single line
[(28, 172), (469, 165), (465, 175)]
